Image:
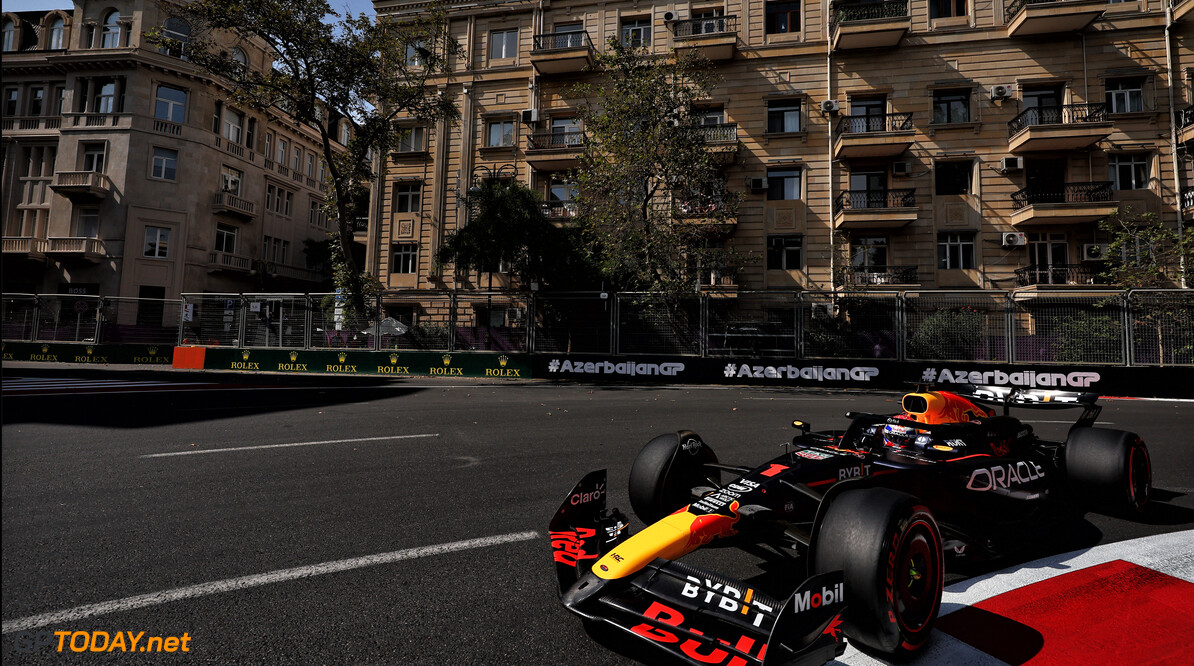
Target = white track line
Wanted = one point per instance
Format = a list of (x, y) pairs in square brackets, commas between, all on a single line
[(283, 446), (232, 584)]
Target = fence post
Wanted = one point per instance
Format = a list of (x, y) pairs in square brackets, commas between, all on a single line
[(902, 326), (530, 319), (99, 319), (1009, 325), (1129, 348), (615, 335), (703, 325), (182, 309), (36, 318), (798, 317), (452, 321), (377, 322), (242, 316), (308, 319)]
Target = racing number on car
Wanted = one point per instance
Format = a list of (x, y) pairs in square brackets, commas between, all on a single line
[(569, 546)]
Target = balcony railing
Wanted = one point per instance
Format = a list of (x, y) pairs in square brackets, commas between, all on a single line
[(870, 199), (559, 210), (1059, 274), (1017, 6), (1067, 193), (24, 245), (1188, 198), (81, 183), (888, 122), (167, 127), (230, 200), (31, 123), (558, 41), (1069, 114), (360, 225), (721, 133), (1185, 117), (696, 27), (573, 139), (859, 276), (866, 11), (75, 245), (229, 261)]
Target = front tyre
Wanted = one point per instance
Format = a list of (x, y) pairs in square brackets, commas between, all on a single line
[(1108, 470), (889, 547), (665, 472)]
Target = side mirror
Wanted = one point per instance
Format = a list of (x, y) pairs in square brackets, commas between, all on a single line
[(801, 425)]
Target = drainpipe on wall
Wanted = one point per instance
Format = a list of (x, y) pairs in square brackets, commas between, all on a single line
[(829, 150), (1177, 185)]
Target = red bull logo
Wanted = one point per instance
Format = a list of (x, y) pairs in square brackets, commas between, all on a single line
[(711, 526)]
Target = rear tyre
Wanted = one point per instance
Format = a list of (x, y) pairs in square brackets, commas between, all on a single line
[(1108, 470), (889, 547), (665, 472)]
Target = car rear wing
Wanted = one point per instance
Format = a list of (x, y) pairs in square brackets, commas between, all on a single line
[(1037, 399)]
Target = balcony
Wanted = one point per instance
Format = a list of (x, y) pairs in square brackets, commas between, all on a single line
[(31, 125), (1068, 127), (29, 246), (1039, 17), (885, 135), (76, 247), (360, 225), (229, 204), (705, 212), (559, 211), (297, 273), (879, 276), (722, 140), (225, 261), (1185, 124), (875, 209), (1069, 203), (868, 25), (1187, 199), (562, 52), (715, 38), (555, 151), (1060, 274), (1183, 10), (81, 185)]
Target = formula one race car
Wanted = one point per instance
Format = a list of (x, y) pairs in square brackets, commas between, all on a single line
[(869, 513)]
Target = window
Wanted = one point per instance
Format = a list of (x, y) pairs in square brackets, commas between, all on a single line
[(953, 177), (567, 36), (345, 134), (230, 180), (234, 123), (708, 21), (87, 225), (1129, 171), (783, 115), (12, 101), (171, 104), (225, 238), (416, 54), (36, 101), (500, 133), (110, 37), (869, 252), (282, 148), (58, 101), (947, 8), (565, 132), (57, 40), (269, 146), (240, 58), (278, 199), (93, 157), (404, 258), (951, 106), (105, 98), (315, 215), (179, 30), (407, 197), (503, 44), (276, 250), (782, 17), (296, 158), (412, 140), (250, 134), (783, 184), (157, 242), (636, 32), (783, 252), (310, 164), (1125, 95), (955, 250), (10, 35), (165, 164)]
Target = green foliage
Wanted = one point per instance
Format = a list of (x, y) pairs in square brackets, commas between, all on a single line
[(1088, 337), (325, 71), (1145, 252), (952, 334), (646, 170), (508, 225)]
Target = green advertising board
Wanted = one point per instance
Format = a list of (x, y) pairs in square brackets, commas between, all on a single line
[(359, 362), (96, 354)]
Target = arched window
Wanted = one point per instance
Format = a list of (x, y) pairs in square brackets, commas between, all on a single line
[(240, 57), (10, 35), (110, 37), (179, 30), (57, 40)]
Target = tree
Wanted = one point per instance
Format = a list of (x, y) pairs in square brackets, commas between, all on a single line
[(1146, 253), (326, 71), (650, 197), (507, 226)]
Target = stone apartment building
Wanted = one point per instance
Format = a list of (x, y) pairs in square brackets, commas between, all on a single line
[(936, 144), (127, 173)]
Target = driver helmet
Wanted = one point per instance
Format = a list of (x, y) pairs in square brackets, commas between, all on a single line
[(899, 437)]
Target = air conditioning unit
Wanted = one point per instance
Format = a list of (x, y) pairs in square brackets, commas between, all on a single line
[(1013, 239), (1011, 163), (823, 310), (757, 184), (1094, 251), (668, 16), (901, 168), (1002, 91), (530, 116), (830, 106)]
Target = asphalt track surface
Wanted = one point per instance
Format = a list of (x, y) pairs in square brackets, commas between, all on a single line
[(417, 472)]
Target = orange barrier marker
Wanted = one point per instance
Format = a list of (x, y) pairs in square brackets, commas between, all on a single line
[(189, 358)]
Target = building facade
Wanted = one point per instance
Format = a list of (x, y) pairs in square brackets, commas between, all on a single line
[(890, 144), (128, 173)]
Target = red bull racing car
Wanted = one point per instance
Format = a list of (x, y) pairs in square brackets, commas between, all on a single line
[(869, 515)]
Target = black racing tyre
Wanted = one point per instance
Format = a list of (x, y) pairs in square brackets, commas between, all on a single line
[(1108, 470), (888, 546), (666, 470)]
